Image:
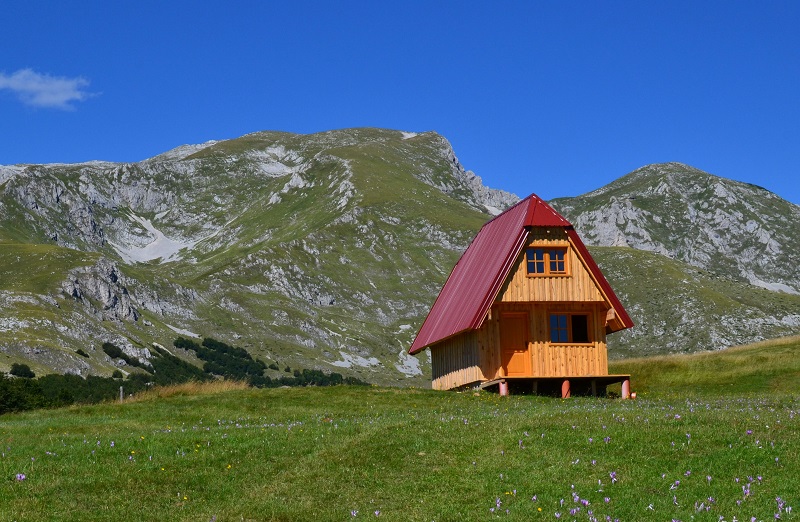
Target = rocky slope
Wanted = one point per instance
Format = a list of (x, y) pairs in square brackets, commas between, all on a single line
[(702, 262), (316, 251), (730, 228)]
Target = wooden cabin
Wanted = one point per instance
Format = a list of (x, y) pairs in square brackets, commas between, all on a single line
[(526, 308)]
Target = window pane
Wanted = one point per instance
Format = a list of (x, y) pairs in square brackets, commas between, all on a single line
[(557, 261), (558, 328), (534, 258)]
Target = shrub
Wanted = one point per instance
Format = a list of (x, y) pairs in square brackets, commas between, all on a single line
[(185, 344), (80, 352), (112, 350), (22, 370), (116, 374)]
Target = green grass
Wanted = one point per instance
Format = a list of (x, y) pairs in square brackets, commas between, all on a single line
[(409, 454), (764, 368), (52, 264)]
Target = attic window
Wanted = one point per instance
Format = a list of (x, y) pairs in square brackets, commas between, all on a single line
[(542, 261), (569, 328)]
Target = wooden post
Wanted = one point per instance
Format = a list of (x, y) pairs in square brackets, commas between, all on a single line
[(565, 392), (504, 388), (536, 387), (626, 389), (594, 387), (121, 394)]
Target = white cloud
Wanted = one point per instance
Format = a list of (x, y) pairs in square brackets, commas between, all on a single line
[(43, 90)]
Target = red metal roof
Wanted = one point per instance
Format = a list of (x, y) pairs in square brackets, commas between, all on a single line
[(476, 279)]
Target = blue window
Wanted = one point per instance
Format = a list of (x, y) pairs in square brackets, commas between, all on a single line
[(558, 328), (569, 328), (535, 260), (546, 261)]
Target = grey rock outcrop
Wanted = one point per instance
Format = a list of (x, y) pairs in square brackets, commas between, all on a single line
[(103, 288)]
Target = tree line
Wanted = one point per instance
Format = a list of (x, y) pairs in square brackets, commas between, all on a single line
[(21, 390)]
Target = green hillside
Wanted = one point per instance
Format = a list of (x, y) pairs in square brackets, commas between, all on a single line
[(316, 251), (765, 368), (679, 308)]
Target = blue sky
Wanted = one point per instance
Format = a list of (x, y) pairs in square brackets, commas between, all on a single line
[(556, 97)]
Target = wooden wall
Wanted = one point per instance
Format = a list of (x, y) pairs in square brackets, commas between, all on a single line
[(547, 359), (577, 286), (456, 362)]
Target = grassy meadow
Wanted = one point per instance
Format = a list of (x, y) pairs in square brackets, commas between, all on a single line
[(690, 447)]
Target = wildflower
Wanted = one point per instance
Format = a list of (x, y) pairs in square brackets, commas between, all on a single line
[(377, 512), (354, 513), (708, 478), (20, 477)]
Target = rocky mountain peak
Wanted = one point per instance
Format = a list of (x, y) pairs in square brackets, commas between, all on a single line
[(734, 229)]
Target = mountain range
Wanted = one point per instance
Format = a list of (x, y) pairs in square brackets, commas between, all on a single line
[(325, 251)]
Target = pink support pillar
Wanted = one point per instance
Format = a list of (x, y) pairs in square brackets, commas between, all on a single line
[(503, 388), (626, 389), (565, 392)]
